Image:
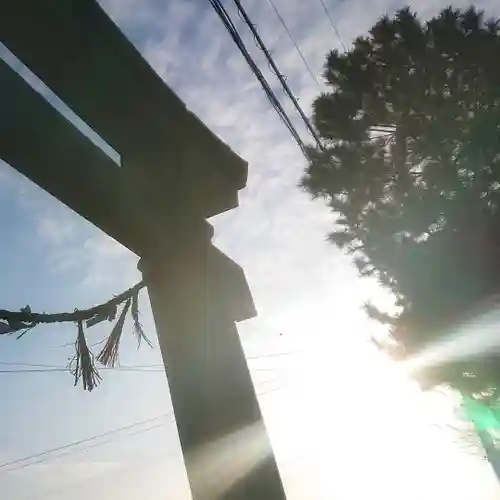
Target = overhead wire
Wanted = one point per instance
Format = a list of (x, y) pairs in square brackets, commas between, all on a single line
[(62, 369), (292, 38), (274, 355), (75, 446), (233, 31), (155, 367), (387, 130), (333, 25), (22, 363), (274, 389), (83, 448), (117, 368), (126, 470), (262, 46), (41, 368), (82, 441)]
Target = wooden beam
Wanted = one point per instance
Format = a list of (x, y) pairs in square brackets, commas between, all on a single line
[(41, 144), (81, 55)]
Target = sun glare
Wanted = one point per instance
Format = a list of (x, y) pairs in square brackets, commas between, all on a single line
[(470, 339), (361, 424)]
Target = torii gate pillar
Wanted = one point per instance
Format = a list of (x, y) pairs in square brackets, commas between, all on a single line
[(224, 441), (174, 174)]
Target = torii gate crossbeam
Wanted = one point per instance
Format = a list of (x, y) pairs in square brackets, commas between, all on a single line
[(174, 174)]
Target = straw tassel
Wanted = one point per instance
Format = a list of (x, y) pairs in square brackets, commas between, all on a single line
[(109, 354), (138, 330), (85, 367)]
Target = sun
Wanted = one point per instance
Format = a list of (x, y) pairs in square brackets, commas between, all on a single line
[(361, 424)]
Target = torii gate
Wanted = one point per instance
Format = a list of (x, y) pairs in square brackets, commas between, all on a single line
[(174, 174)]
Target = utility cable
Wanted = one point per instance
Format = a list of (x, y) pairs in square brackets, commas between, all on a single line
[(82, 441), (84, 448), (296, 45), (46, 368), (37, 368), (44, 456), (67, 370), (56, 367), (274, 355), (275, 69), (333, 25), (231, 28)]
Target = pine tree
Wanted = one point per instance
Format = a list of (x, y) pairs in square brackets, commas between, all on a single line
[(411, 168)]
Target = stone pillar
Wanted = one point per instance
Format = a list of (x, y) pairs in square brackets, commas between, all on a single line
[(226, 448)]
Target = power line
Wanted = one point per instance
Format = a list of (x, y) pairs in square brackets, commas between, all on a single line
[(36, 365), (44, 456), (84, 448), (296, 45), (36, 370), (273, 355), (124, 369), (41, 368), (231, 28), (388, 130), (275, 69), (123, 471), (61, 369), (82, 441), (274, 389), (66, 368), (263, 369), (333, 25), (152, 369)]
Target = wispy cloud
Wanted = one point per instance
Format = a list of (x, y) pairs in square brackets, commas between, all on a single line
[(75, 249), (276, 224), (277, 234)]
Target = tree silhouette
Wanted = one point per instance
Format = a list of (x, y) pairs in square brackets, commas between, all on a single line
[(411, 168)]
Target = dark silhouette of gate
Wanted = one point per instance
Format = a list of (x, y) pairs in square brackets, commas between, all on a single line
[(173, 174)]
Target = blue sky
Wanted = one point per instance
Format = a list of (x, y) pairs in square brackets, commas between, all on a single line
[(302, 286)]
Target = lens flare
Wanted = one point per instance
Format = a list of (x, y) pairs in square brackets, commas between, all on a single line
[(471, 339), (221, 464)]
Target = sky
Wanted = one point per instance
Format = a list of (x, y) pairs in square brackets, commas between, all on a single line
[(366, 430)]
